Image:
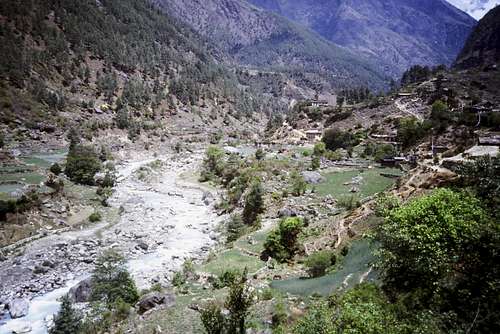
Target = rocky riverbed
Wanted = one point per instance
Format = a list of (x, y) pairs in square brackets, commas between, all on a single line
[(164, 219)]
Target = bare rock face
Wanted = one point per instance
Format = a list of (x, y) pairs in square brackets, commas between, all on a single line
[(81, 292), (18, 308), (397, 33), (153, 300)]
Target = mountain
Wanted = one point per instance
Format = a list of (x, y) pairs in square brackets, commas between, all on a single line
[(62, 61), (257, 38), (475, 8), (483, 45), (394, 33)]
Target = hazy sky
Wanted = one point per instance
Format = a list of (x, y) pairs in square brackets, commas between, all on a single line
[(476, 8)]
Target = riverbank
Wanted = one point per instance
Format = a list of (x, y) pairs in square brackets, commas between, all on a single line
[(163, 220)]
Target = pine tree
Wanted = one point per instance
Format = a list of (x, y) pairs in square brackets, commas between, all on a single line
[(254, 203), (67, 321)]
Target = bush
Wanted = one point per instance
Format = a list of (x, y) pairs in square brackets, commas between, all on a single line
[(254, 203), (67, 320), (55, 169), (260, 154), (315, 163), (213, 164), (82, 164), (319, 262), (281, 243), (227, 278), (111, 280), (213, 319), (299, 185), (319, 149), (95, 217), (235, 228), (179, 279), (349, 202)]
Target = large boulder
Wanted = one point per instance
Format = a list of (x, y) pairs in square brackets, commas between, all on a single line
[(153, 300), (81, 292), (312, 177), (18, 308)]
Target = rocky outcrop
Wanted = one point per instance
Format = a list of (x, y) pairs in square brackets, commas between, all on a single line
[(18, 307), (397, 33), (483, 45), (153, 300), (312, 177), (81, 292)]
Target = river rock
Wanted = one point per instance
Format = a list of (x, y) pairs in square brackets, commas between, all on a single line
[(18, 308), (21, 328), (312, 177), (207, 198), (142, 245), (81, 292), (287, 212), (155, 299)]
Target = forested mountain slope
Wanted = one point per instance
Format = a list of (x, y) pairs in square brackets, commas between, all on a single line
[(66, 61), (259, 39)]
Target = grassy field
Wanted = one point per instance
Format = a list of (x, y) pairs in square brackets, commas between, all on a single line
[(258, 245), (372, 182), (232, 259), (346, 274)]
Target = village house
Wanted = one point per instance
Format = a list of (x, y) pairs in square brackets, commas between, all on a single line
[(314, 135)]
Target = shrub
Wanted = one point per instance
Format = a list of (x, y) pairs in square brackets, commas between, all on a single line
[(67, 320), (82, 164), (440, 116), (227, 278), (213, 164), (349, 202), (238, 303), (299, 185), (319, 149), (319, 262), (95, 217), (281, 243), (235, 228), (254, 203), (213, 319), (260, 154), (179, 279), (279, 316), (55, 169), (111, 280), (315, 163)]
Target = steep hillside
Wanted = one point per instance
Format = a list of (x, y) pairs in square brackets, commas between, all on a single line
[(483, 45), (102, 64), (395, 33), (259, 39)]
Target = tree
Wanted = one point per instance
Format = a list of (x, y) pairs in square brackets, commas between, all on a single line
[(319, 149), (111, 280), (213, 164), (68, 320), (281, 243), (238, 304), (82, 164), (315, 163), (335, 139), (410, 131), (441, 249), (440, 116), (254, 203)]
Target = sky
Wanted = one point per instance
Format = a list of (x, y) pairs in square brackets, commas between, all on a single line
[(475, 8)]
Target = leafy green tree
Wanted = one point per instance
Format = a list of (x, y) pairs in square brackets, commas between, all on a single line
[(238, 303), (441, 249), (282, 243), (213, 164), (315, 163), (254, 203), (111, 280), (82, 163), (410, 131), (440, 116), (68, 320), (319, 149), (335, 139), (235, 228)]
